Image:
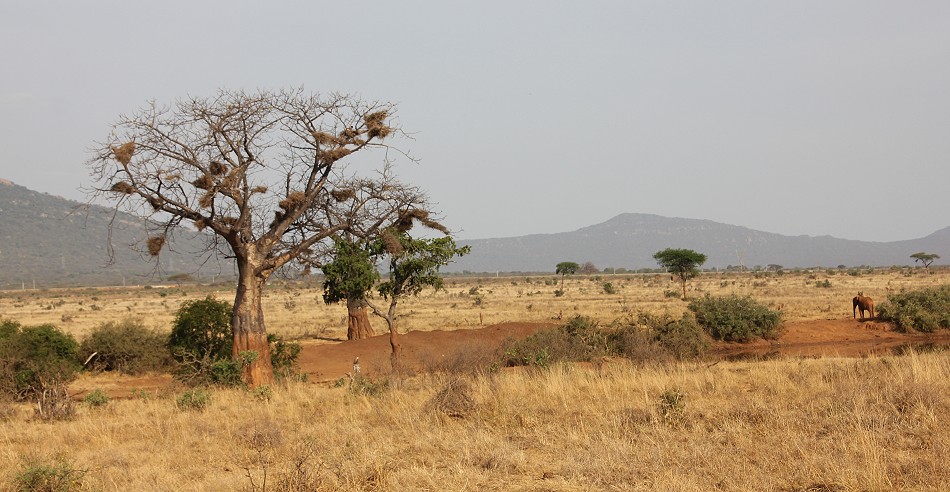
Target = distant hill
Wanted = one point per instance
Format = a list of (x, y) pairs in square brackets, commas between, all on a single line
[(54, 242), (630, 240), (58, 242)]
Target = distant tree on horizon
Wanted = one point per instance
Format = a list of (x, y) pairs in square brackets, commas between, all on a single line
[(564, 269), (588, 268), (925, 259), (683, 263)]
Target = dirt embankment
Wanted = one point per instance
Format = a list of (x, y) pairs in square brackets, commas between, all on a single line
[(327, 361)]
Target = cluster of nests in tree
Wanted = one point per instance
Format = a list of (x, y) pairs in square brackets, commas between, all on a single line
[(374, 127), (390, 237), (124, 153)]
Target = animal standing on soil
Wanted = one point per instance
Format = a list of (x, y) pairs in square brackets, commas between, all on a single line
[(862, 303)]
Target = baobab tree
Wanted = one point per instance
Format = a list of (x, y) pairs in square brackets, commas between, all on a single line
[(264, 173)]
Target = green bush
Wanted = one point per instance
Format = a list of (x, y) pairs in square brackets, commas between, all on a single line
[(578, 340), (33, 358), (682, 338), (225, 372), (201, 342), (195, 399), (652, 338), (360, 385), (46, 477), (735, 319), (922, 310), (126, 347), (283, 356), (96, 398), (202, 328)]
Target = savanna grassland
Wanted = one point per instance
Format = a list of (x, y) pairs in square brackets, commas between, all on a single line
[(297, 310), (874, 423)]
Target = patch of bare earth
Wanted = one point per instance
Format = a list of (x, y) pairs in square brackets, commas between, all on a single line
[(327, 361), (832, 338)]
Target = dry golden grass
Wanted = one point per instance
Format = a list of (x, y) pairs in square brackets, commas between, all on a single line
[(796, 424), (825, 424), (298, 310)]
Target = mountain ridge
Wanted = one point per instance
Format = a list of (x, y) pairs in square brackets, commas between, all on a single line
[(59, 242), (51, 241), (629, 240)]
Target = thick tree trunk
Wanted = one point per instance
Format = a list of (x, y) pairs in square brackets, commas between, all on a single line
[(247, 324), (357, 320)]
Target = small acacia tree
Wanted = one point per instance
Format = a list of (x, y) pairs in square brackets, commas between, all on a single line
[(683, 263), (413, 265), (566, 268), (261, 175), (925, 259)]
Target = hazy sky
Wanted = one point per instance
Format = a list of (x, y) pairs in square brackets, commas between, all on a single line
[(794, 117)]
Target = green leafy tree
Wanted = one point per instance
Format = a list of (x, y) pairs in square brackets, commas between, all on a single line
[(349, 277), (925, 259), (413, 265), (566, 268), (683, 263)]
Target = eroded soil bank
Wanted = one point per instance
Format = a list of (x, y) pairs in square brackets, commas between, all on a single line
[(325, 361)]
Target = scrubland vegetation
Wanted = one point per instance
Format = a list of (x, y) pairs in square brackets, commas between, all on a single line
[(640, 412), (297, 309)]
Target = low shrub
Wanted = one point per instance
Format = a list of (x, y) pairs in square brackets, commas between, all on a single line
[(922, 310), (127, 347), (263, 393), (283, 356), (60, 476), (672, 407), (96, 398), (201, 342), (34, 358), (735, 319), (578, 340), (454, 400), (225, 372), (195, 399), (359, 385), (202, 329), (682, 338)]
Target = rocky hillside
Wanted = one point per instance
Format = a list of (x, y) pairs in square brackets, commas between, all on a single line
[(630, 240), (54, 242)]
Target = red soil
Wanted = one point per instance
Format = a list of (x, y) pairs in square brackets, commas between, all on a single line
[(325, 361)]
